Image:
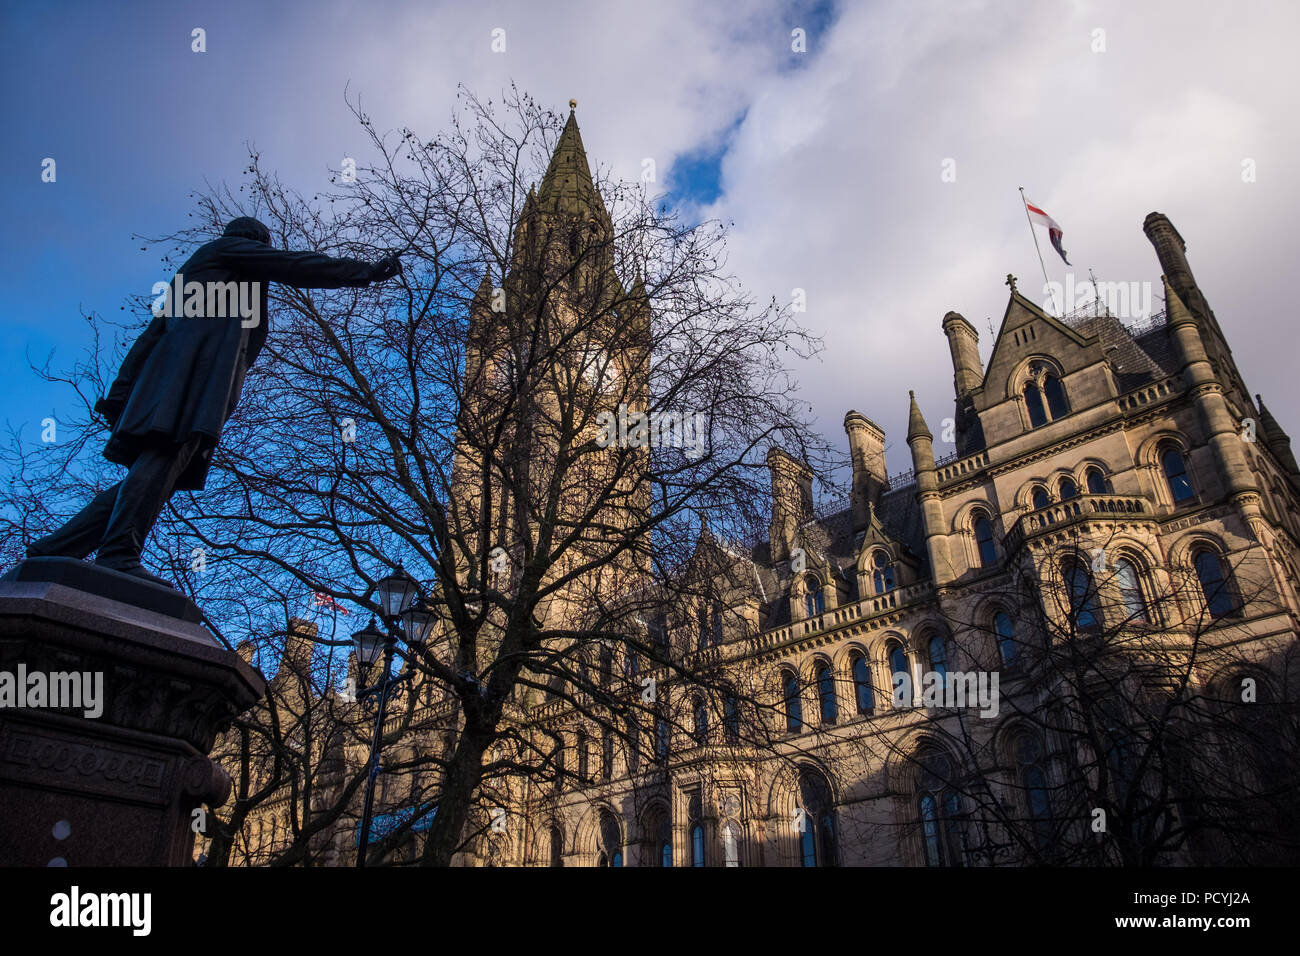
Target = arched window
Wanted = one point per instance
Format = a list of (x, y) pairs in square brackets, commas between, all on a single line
[(883, 575), (1097, 482), (695, 818), (817, 842), (1083, 597), (702, 616), (716, 620), (900, 676), (939, 808), (1067, 489), (984, 539), (793, 705), (1175, 466), (606, 754), (1055, 392), (606, 667), (731, 844), (826, 693), (1006, 633), (814, 600), (862, 689), (700, 728), (1034, 405), (1216, 585), (1033, 783), (1040, 498), (611, 840), (1130, 590), (939, 655), (664, 838), (557, 846)]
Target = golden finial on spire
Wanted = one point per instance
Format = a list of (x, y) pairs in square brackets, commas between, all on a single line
[(573, 104)]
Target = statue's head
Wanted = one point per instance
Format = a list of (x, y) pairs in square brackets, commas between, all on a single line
[(247, 227)]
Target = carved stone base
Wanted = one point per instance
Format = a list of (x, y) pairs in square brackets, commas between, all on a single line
[(117, 789)]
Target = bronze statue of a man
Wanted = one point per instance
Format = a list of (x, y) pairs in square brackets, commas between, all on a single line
[(180, 382)]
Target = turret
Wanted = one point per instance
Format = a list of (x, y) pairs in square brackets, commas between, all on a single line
[(964, 344), (867, 453), (921, 442)]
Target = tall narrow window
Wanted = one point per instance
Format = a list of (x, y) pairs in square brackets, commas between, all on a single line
[(582, 757), (939, 809), (607, 754), (633, 745), (813, 600), (1040, 498), (883, 576), (731, 716), (1068, 489), (1130, 590), (939, 655), (731, 844), (664, 837), (1034, 405), (1033, 782), (716, 623), (705, 631), (862, 689), (1175, 466), (826, 693), (984, 539), (695, 816), (817, 842), (1006, 633), (700, 730), (1096, 482), (900, 676), (1055, 393), (793, 705), (662, 737), (557, 846), (1217, 590), (1083, 597)]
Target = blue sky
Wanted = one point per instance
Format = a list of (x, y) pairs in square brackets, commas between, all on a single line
[(828, 162)]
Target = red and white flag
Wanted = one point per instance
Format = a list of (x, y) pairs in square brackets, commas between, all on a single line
[(1053, 228), (325, 601)]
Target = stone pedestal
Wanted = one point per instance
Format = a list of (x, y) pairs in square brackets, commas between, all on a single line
[(117, 789)]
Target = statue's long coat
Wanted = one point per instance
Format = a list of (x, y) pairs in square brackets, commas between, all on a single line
[(182, 376)]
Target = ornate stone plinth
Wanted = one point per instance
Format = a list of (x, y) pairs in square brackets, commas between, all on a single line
[(117, 789)]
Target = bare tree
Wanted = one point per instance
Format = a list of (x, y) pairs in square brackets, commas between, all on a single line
[(565, 394)]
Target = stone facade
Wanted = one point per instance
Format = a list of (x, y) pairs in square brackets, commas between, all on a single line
[(1103, 475)]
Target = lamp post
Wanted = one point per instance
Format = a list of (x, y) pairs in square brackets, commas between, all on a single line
[(397, 592)]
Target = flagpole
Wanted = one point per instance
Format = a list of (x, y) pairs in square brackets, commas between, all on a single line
[(1024, 203)]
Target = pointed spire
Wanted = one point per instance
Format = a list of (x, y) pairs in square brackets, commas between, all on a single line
[(1268, 425), (1176, 312), (916, 427), (484, 293), (567, 186)]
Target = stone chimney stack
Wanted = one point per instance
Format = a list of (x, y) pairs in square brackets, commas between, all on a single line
[(964, 344), (867, 452), (791, 500)]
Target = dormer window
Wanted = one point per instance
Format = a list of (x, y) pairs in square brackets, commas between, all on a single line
[(1044, 396), (883, 574)]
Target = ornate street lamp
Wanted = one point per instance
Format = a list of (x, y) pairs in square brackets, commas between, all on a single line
[(402, 615)]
